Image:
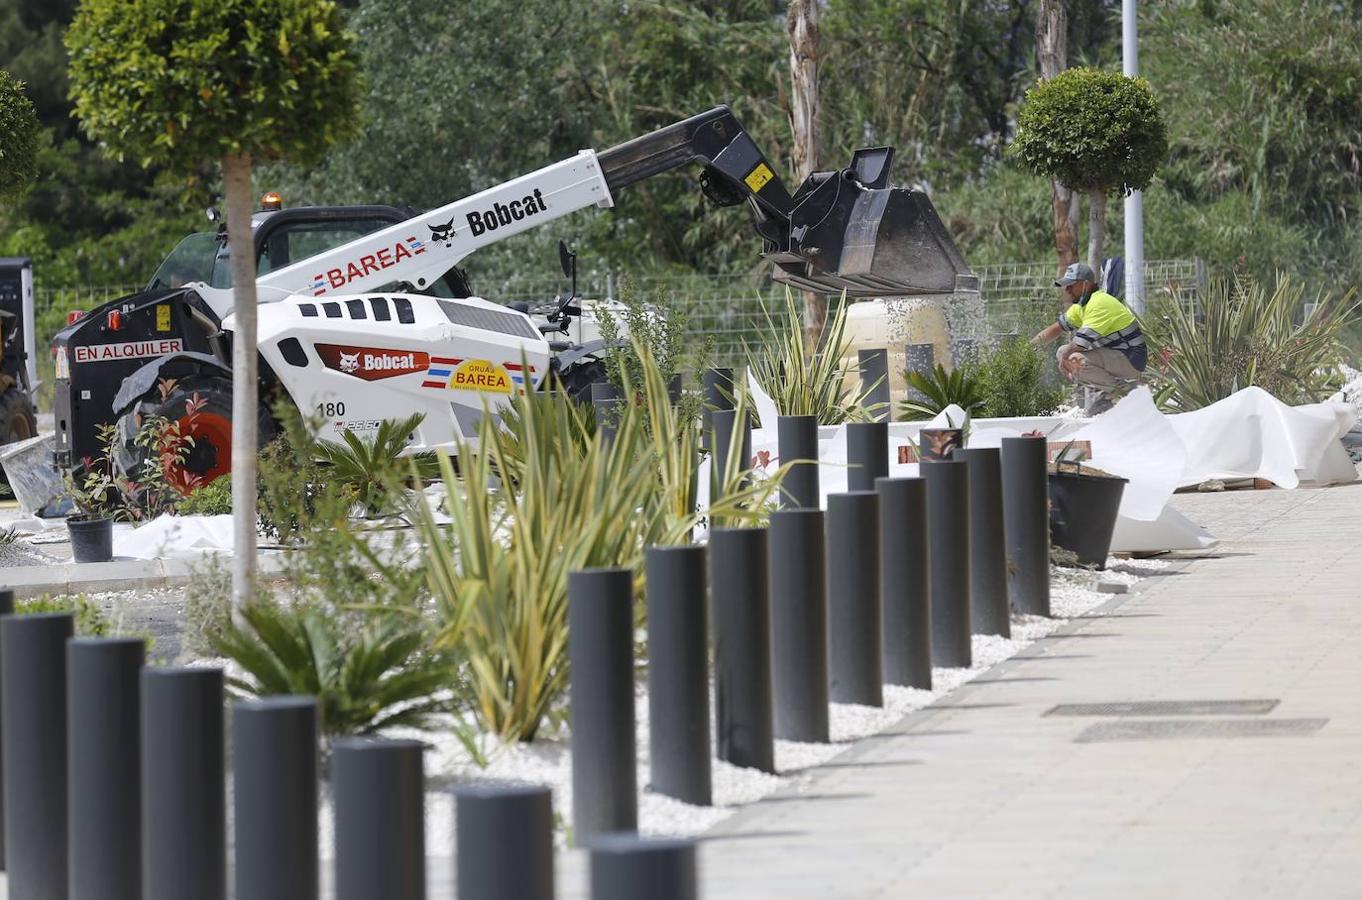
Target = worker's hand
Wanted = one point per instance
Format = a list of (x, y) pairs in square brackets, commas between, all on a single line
[(1071, 363)]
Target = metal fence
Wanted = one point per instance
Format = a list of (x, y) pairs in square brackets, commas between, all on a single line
[(726, 311)]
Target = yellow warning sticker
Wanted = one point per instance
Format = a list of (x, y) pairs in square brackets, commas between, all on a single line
[(757, 178), (481, 375), (163, 317)]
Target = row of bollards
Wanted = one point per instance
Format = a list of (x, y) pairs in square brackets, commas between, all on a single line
[(115, 785), (817, 607)]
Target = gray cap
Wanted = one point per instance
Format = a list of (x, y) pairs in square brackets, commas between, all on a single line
[(1075, 273)]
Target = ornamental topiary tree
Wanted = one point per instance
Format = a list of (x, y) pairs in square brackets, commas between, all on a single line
[(18, 137), (1093, 131), (181, 82)]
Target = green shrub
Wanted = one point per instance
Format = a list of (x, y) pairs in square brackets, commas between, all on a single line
[(1012, 381), (213, 499), (372, 468), (939, 389), (368, 668), (1241, 334), (90, 619)]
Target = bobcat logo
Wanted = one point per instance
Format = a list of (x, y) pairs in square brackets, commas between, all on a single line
[(349, 362), (443, 233)]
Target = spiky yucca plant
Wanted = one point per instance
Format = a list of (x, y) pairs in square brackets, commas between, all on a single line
[(368, 670), (804, 384), (939, 390), (1242, 334), (365, 464)]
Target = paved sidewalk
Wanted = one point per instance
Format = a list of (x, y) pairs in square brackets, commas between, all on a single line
[(987, 796)]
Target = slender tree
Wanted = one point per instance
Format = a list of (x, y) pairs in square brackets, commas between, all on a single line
[(18, 137), (801, 25), (1093, 131), (1052, 57), (182, 82)]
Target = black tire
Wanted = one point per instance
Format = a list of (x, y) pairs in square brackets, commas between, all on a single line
[(211, 427), (577, 381), (17, 419)]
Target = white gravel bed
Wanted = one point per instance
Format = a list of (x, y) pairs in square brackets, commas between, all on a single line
[(548, 760)]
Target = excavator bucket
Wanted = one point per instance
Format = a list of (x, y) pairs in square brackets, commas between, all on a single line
[(849, 231)]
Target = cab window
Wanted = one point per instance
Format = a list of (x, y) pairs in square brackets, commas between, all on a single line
[(295, 241), (191, 260)]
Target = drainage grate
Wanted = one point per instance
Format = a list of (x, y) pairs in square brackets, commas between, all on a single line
[(1181, 729), (1167, 708)]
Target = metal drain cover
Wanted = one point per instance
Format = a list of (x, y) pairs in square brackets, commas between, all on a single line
[(1167, 708), (1181, 729)]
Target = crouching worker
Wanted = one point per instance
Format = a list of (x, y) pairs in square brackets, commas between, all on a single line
[(1103, 346)]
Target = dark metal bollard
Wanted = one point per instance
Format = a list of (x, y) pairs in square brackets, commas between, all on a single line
[(988, 559), (33, 654), (103, 722), (905, 582), (867, 454), (380, 819), (601, 688), (854, 619), (875, 381), (948, 540), (184, 807), (274, 769), (719, 393), (1026, 524), (6, 609), (741, 612), (624, 867), (799, 625), (504, 835), (678, 673), (723, 422), (796, 439)]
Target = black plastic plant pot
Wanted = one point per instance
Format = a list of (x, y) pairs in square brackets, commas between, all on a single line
[(938, 443), (1083, 513), (91, 538)]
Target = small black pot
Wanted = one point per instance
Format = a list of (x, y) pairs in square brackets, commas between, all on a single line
[(939, 443), (91, 538), (1083, 514)]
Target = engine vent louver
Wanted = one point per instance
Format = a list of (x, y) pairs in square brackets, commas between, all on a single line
[(488, 319)]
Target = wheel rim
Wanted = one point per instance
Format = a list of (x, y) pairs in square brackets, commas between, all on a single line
[(209, 458)]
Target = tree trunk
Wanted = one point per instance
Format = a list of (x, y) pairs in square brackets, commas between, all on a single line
[(236, 177), (1097, 226), (1052, 57), (801, 24)]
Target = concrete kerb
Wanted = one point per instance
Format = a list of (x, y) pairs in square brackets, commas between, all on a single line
[(117, 575)]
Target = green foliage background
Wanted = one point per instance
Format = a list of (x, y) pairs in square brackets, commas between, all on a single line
[(1264, 123)]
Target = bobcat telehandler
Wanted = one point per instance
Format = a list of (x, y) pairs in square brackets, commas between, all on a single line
[(365, 316)]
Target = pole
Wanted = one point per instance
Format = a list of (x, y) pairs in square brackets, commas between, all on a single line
[(274, 768), (719, 393), (875, 381), (380, 819), (184, 808), (725, 422), (741, 613), (987, 555), (34, 685), (504, 838), (601, 688), (854, 619), (1026, 524), (1134, 217), (624, 867), (678, 673), (799, 625), (105, 802), (867, 454), (948, 541), (6, 609), (905, 582), (797, 439)]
